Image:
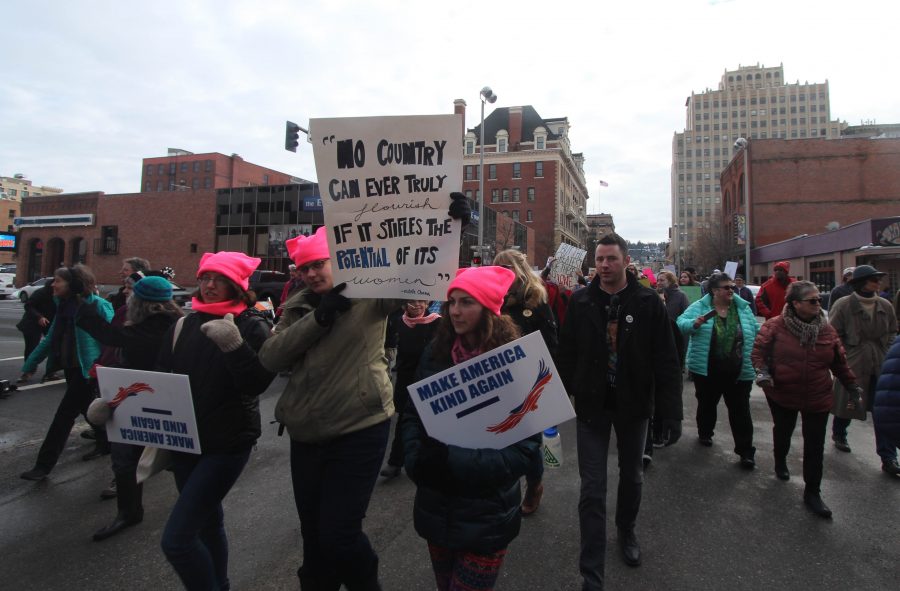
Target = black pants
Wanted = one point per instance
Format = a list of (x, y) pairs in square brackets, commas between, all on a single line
[(75, 401), (814, 427), (32, 336), (709, 390), (401, 399)]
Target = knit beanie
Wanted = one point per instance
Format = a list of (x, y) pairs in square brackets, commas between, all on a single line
[(305, 249), (235, 265), (153, 289), (784, 265), (488, 285)]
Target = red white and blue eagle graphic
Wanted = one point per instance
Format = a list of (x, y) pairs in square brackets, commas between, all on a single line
[(528, 405), (131, 390)]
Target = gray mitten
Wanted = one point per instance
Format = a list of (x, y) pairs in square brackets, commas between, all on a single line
[(763, 379), (224, 333)]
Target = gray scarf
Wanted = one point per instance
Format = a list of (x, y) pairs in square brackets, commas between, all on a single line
[(806, 332)]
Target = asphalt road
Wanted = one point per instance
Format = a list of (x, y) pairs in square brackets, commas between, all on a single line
[(704, 523)]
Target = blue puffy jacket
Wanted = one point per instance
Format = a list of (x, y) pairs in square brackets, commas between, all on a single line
[(698, 349), (886, 409)]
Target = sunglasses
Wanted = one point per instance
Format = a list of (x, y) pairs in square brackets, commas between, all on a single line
[(813, 301), (728, 287)]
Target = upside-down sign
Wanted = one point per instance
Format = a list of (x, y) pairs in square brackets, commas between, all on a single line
[(150, 408), (495, 399)]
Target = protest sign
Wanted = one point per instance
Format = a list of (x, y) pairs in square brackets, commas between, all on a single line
[(495, 399), (566, 262), (385, 184), (731, 268), (150, 408), (692, 292)]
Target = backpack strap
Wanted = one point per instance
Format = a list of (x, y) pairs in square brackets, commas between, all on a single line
[(179, 324)]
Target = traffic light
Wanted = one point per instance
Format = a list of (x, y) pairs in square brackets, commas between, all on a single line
[(291, 136), (476, 261)]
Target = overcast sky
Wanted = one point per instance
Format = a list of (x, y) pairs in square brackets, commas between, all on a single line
[(90, 88)]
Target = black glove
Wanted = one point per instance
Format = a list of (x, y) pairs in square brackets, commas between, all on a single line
[(332, 303), (431, 466), (671, 431), (459, 208)]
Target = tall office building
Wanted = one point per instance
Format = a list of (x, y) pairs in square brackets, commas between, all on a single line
[(754, 102)]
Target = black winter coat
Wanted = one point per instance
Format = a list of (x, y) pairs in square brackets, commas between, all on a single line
[(224, 386), (479, 511), (140, 343), (540, 319), (648, 375), (39, 304)]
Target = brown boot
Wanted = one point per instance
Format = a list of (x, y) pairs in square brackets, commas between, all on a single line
[(532, 500)]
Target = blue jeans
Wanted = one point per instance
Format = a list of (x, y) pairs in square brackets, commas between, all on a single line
[(593, 452), (333, 482), (194, 540)]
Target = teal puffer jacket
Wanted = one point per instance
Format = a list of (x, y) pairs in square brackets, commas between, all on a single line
[(698, 349), (87, 347)]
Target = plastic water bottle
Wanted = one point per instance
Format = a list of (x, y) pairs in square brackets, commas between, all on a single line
[(552, 447)]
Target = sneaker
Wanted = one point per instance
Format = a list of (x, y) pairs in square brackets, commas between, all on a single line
[(840, 442), (110, 492), (52, 377), (532, 498), (36, 474), (890, 467), (748, 462), (390, 471)]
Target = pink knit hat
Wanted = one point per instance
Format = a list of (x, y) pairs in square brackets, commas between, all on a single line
[(303, 249), (488, 285), (235, 265)]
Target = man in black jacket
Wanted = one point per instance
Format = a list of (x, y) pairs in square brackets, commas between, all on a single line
[(617, 357), (40, 310)]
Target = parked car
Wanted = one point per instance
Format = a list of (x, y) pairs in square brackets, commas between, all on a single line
[(25, 292), (268, 285), (7, 284), (8, 268)]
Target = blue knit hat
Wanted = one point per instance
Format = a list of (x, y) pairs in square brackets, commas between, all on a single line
[(153, 289)]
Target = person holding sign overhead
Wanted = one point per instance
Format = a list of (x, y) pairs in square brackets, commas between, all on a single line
[(617, 356), (467, 500), (216, 347), (526, 304)]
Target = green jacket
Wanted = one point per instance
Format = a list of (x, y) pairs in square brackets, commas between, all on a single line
[(339, 374), (698, 349), (87, 348)]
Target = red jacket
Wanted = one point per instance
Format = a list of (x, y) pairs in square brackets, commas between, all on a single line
[(770, 299), (801, 376)]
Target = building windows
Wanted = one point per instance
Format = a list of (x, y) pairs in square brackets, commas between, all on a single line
[(149, 169), (173, 168), (159, 185), (184, 167), (209, 166), (195, 183), (517, 170), (492, 172), (470, 147), (505, 195), (469, 194), (515, 195), (146, 186), (470, 175), (495, 195), (160, 169), (196, 166), (515, 215), (531, 193), (529, 217), (538, 169), (540, 142)]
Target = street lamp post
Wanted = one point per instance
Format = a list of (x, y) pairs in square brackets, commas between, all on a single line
[(744, 145), (487, 95)]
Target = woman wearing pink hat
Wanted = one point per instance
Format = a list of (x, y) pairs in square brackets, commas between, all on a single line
[(216, 348), (467, 502)]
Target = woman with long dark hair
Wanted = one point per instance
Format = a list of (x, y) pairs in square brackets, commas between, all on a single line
[(467, 500), (526, 304), (149, 313), (73, 350), (216, 348)]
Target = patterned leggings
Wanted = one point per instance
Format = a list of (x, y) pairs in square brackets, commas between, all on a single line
[(465, 571)]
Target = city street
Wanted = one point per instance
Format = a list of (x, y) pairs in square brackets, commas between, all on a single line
[(704, 522)]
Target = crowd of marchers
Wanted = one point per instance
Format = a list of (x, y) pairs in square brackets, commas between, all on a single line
[(623, 351)]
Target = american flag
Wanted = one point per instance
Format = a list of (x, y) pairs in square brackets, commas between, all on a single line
[(604, 184)]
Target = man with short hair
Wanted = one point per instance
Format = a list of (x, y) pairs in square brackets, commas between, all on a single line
[(770, 298), (130, 266), (842, 290), (742, 290), (617, 357)]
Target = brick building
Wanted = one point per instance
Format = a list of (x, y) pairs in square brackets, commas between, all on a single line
[(182, 170), (531, 175), (807, 187), (12, 190)]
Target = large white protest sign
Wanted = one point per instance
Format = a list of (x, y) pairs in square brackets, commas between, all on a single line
[(150, 408), (731, 268), (567, 261), (495, 399), (385, 184)]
